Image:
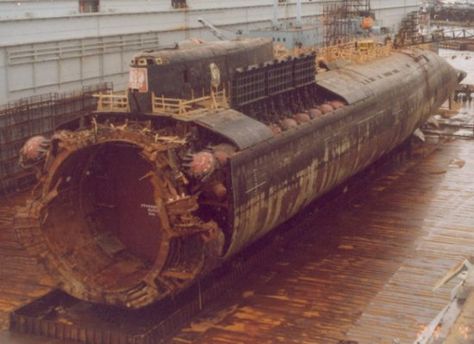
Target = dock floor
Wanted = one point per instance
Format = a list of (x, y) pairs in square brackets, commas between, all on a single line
[(362, 270), (22, 279)]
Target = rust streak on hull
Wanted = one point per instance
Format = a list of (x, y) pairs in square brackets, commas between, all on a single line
[(274, 181), (138, 206)]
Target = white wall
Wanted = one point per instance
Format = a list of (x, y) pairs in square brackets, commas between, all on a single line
[(19, 31), (39, 55), (16, 31), (37, 8), (38, 68)]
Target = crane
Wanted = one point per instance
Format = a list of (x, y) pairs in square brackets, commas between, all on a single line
[(220, 34)]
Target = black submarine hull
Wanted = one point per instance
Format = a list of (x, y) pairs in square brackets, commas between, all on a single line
[(117, 222), (387, 100)]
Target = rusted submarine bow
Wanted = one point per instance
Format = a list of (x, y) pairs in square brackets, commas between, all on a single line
[(114, 219), (136, 207)]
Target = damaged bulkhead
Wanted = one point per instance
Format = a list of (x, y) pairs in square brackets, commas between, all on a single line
[(127, 215), (135, 208)]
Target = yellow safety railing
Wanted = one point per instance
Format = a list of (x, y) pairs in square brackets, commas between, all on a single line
[(112, 102), (216, 99), (355, 52)]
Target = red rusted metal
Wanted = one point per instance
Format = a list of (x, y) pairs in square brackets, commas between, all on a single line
[(34, 150), (112, 220), (202, 163), (275, 128), (315, 113), (288, 123), (337, 104), (302, 118), (223, 152), (326, 108)]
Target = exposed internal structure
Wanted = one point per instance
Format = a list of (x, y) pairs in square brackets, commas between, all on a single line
[(140, 203), (128, 213), (117, 220)]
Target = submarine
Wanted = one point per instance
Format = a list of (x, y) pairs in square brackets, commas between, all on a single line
[(212, 146)]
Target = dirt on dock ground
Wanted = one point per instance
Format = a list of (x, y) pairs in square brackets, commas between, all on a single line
[(22, 279), (364, 271)]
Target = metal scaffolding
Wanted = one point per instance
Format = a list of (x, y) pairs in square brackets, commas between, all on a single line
[(340, 18), (37, 115)]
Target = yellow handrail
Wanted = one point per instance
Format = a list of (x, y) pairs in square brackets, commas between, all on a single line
[(118, 102), (356, 52), (185, 107), (112, 102)]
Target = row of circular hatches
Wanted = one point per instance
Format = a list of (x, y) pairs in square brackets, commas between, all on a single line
[(144, 61)]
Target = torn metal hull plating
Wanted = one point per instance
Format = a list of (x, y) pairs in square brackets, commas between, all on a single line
[(132, 211)]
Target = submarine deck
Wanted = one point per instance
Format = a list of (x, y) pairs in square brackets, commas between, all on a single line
[(361, 268)]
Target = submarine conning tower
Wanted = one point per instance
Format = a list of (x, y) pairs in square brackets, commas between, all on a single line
[(242, 73), (142, 202), (190, 68)]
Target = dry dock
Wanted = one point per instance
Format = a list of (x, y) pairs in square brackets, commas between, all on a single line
[(358, 266), (362, 267), (363, 271)]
